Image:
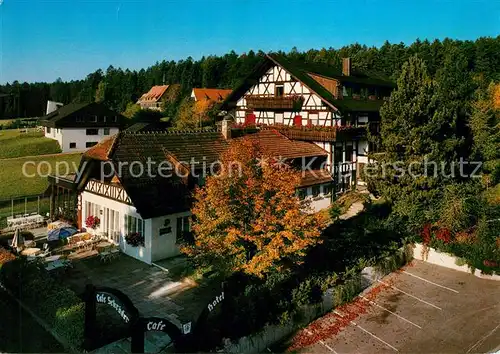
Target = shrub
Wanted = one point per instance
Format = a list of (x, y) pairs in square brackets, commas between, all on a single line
[(5, 256), (60, 307)]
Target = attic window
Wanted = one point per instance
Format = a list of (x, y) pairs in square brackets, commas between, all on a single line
[(93, 119), (79, 119), (279, 90)]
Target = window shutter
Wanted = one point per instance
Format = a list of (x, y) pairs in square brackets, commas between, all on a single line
[(250, 118)]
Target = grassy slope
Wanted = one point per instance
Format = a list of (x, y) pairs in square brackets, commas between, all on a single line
[(20, 333), (14, 183), (13, 144), (6, 121)]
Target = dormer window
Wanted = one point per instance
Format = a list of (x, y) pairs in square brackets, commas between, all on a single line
[(279, 90)]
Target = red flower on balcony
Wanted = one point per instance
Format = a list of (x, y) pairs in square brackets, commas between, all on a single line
[(92, 222)]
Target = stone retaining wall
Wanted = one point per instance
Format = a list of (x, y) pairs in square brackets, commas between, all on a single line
[(430, 255)]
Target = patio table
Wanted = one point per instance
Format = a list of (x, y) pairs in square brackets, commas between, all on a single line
[(30, 251), (102, 246), (52, 258), (22, 220), (58, 264)]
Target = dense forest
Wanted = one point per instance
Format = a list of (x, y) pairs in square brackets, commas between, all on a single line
[(119, 87)]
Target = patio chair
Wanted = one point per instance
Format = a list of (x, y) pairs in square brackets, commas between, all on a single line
[(114, 253), (104, 256), (45, 251)]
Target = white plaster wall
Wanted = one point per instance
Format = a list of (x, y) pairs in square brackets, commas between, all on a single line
[(322, 201), (140, 253), (165, 246), (79, 136), (55, 134), (363, 149)]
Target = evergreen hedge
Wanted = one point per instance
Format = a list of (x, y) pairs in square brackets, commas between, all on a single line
[(57, 305)]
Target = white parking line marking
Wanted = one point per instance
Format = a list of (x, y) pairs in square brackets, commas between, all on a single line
[(374, 336), (395, 314), (338, 313), (430, 282), (326, 345), (404, 292), (483, 339)]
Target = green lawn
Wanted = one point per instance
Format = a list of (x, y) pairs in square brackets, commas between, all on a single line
[(20, 333), (13, 143), (33, 180), (6, 121)]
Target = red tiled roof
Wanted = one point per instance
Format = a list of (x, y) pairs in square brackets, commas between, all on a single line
[(210, 94), (312, 177), (154, 94), (101, 151), (276, 144)]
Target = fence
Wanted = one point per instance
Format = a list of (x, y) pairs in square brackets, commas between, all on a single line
[(23, 205)]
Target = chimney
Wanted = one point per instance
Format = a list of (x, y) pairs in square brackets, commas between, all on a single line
[(226, 127), (346, 66)]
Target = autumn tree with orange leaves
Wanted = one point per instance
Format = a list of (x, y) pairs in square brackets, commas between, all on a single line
[(248, 217)]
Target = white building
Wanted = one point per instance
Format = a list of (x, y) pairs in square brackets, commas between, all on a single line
[(77, 127), (157, 96)]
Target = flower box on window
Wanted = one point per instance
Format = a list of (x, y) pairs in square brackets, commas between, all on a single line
[(92, 222), (135, 239)]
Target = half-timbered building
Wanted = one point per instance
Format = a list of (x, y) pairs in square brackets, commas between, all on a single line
[(315, 102), (115, 183)]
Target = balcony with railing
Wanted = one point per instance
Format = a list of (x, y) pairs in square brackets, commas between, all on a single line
[(286, 103), (325, 134)]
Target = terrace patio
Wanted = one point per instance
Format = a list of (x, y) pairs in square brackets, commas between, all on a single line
[(161, 291)]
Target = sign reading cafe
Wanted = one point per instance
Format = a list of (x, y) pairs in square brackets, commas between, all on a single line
[(104, 298)]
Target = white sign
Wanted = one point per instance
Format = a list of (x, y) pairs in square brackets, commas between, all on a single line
[(155, 326), (108, 300), (186, 328), (218, 299)]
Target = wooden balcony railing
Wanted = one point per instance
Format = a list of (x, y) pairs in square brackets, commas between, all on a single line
[(271, 103), (327, 135)]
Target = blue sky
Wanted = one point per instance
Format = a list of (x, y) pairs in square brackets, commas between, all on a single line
[(44, 40)]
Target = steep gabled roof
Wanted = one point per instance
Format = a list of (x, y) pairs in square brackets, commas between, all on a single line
[(153, 194), (210, 94), (63, 117), (154, 94), (301, 72), (277, 145), (102, 150)]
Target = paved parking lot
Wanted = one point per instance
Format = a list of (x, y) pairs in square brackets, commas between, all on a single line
[(422, 309)]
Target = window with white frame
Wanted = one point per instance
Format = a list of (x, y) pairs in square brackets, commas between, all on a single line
[(133, 224), (92, 209)]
